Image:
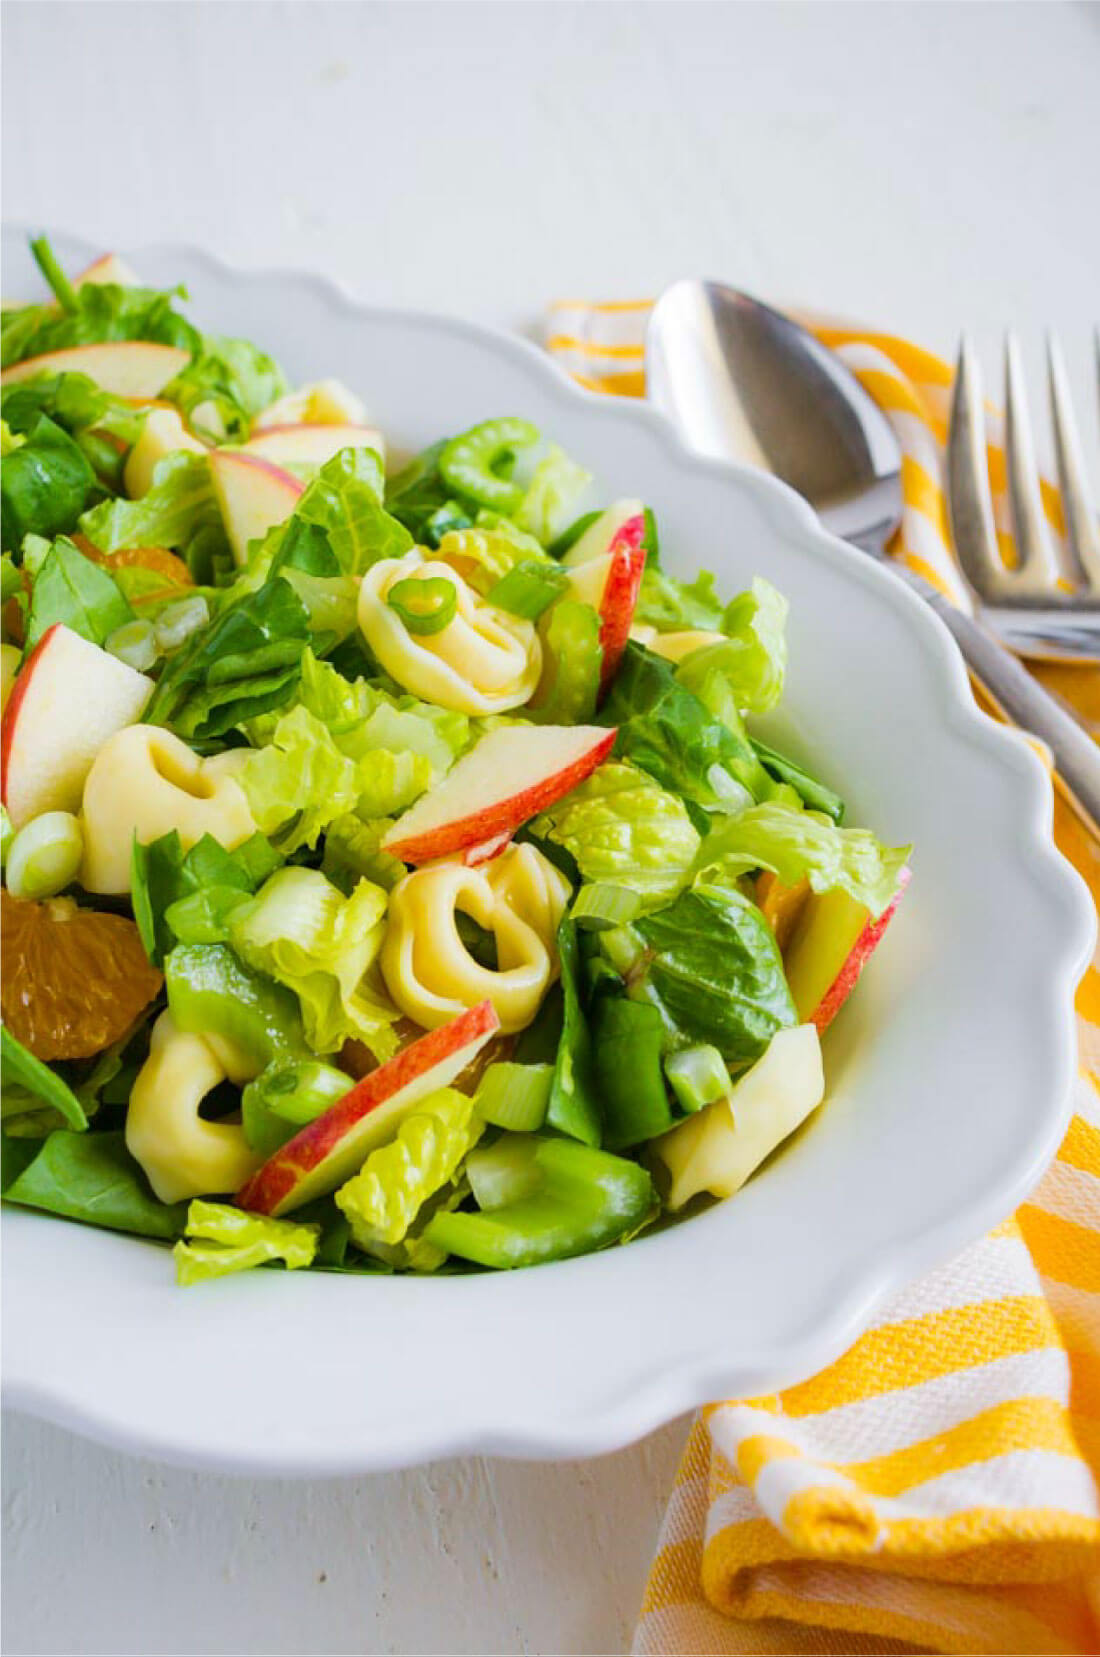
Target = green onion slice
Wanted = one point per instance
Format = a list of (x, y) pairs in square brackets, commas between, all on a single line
[(424, 606)]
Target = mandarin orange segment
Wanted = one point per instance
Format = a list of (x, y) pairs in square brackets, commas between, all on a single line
[(72, 981), (158, 559)]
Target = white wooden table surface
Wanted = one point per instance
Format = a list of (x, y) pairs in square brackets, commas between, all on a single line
[(924, 168)]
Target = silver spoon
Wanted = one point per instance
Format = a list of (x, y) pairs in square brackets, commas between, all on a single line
[(741, 382)]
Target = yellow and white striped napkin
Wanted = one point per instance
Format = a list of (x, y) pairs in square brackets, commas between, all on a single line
[(937, 1488)]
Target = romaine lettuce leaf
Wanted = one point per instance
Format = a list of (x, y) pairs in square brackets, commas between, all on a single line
[(665, 729), (235, 377), (753, 659), (552, 495), (623, 828), (179, 507), (362, 717), (345, 501), (382, 1201), (302, 931), (793, 843), (353, 848), (222, 1239), (163, 876), (69, 588), (711, 966), (674, 606), (100, 312)]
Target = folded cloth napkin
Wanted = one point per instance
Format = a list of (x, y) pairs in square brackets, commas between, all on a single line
[(937, 1488)]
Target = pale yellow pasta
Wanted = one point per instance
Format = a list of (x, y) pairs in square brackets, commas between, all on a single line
[(519, 897), (484, 660), (145, 781), (182, 1154), (674, 646)]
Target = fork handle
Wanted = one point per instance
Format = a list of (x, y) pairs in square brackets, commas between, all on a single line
[(1023, 701)]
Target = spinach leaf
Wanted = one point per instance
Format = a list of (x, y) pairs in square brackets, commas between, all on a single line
[(162, 874), (428, 507), (27, 1083), (711, 966), (245, 662), (574, 1101), (667, 731), (628, 1040), (45, 484), (93, 1178), (815, 795), (69, 588)]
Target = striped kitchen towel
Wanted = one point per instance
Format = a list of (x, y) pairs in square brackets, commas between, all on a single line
[(936, 1489)]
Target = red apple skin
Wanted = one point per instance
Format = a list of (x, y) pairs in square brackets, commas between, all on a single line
[(620, 597), (865, 945), (273, 1185), (503, 817), (474, 856), (11, 712)]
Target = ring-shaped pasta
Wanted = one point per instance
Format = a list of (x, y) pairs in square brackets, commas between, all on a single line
[(519, 897), (182, 1154), (483, 661)]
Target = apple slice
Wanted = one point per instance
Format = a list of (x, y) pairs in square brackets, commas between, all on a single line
[(312, 445), (513, 773), (253, 495), (832, 942), (125, 368), (162, 433), (69, 698), (108, 268), (333, 1147), (623, 520), (720, 1146)]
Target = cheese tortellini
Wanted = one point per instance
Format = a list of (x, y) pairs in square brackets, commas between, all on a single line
[(182, 1154), (145, 781), (519, 897), (483, 661)]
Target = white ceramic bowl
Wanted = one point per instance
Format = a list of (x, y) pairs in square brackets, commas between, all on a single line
[(949, 1072)]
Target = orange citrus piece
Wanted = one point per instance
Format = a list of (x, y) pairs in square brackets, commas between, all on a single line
[(72, 981), (159, 559)]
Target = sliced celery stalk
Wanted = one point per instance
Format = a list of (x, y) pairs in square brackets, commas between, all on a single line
[(515, 1095), (698, 1076)]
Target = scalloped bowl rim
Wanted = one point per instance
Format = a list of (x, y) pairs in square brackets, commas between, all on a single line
[(665, 1388)]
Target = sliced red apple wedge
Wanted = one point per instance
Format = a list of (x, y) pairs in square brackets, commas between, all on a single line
[(512, 774), (253, 495), (332, 1148), (125, 368), (69, 697), (623, 520), (108, 268), (312, 445), (832, 941)]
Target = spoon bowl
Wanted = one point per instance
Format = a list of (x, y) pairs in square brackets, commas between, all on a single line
[(743, 382)]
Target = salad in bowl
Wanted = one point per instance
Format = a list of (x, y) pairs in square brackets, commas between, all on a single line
[(394, 880)]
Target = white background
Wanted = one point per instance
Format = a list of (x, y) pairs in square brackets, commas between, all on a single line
[(924, 168)]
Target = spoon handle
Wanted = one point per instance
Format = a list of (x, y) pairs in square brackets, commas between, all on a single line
[(1022, 700)]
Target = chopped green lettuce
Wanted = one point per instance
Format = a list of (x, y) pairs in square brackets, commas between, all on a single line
[(221, 1240), (678, 606), (622, 827), (552, 495), (306, 934), (793, 844), (752, 660), (96, 313), (353, 848), (228, 382), (383, 1199)]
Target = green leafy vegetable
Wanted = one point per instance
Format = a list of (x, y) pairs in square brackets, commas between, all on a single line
[(28, 1084), (179, 510), (623, 828), (382, 1201), (92, 1177), (711, 966), (306, 934), (572, 657), (815, 796), (104, 427), (69, 588), (793, 843), (584, 1199), (234, 378), (244, 663), (164, 876), (222, 1240), (627, 1041), (551, 497), (752, 660), (353, 849), (667, 731), (212, 992), (678, 606), (344, 502), (418, 497), (102, 312), (45, 484), (574, 1107)]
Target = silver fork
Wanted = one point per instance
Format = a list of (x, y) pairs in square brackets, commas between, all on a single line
[(1028, 607)]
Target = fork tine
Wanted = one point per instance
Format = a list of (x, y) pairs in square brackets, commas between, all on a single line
[(1038, 569), (1081, 533), (969, 504)]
